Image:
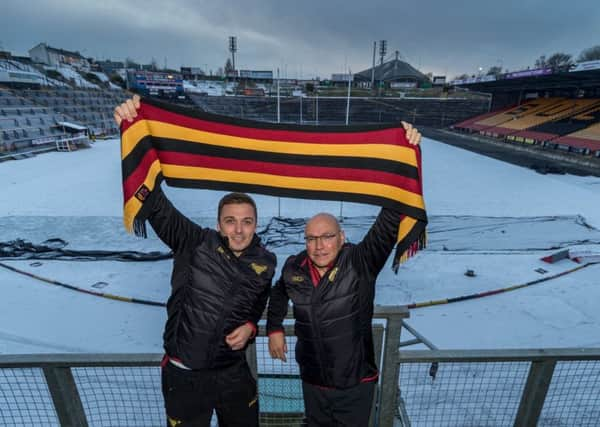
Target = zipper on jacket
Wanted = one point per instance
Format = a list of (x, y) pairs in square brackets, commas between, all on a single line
[(227, 257), (315, 297)]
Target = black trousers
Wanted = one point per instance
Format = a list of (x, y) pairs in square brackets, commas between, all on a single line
[(191, 396), (334, 407)]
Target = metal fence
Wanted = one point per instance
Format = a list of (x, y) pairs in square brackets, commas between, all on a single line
[(550, 387), (124, 389)]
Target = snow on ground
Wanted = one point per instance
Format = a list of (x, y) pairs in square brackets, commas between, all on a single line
[(208, 87), (70, 73), (103, 77), (493, 218)]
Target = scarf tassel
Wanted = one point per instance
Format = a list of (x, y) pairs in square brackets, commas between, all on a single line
[(402, 257), (139, 228)]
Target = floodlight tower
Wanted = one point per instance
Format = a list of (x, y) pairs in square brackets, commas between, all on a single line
[(233, 50), (373, 68), (382, 50)]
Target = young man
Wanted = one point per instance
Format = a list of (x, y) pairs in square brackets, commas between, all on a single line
[(332, 288), (220, 284)]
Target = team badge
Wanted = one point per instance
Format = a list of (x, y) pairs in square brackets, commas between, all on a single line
[(258, 268)]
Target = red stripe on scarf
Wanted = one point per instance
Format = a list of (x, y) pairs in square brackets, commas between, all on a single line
[(138, 176), (285, 170)]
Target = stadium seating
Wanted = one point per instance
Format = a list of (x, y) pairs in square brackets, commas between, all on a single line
[(573, 123), (494, 123), (585, 113), (586, 141), (567, 124), (29, 118)]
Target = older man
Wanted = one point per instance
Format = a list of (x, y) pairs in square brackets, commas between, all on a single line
[(332, 288)]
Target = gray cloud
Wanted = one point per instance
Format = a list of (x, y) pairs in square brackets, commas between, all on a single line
[(309, 37)]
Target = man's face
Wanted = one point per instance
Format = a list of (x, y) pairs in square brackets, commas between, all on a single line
[(238, 223), (324, 239)]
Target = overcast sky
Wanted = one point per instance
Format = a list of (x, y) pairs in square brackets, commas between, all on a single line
[(308, 37)]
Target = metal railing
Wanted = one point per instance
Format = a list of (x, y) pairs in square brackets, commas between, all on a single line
[(438, 387), (124, 389), (553, 387)]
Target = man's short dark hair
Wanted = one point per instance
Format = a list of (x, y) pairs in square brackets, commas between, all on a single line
[(236, 199)]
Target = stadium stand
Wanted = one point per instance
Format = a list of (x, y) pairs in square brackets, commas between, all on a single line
[(555, 111), (585, 141), (471, 124), (514, 118), (570, 124), (91, 108), (564, 113), (567, 124), (39, 119), (332, 110), (562, 123), (22, 122)]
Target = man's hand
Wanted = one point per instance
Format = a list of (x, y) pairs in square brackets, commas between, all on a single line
[(412, 134), (127, 110), (239, 337), (278, 346)]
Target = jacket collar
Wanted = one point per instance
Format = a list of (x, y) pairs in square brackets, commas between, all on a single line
[(255, 243), (302, 261)]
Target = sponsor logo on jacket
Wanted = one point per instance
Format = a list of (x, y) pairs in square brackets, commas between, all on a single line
[(258, 268)]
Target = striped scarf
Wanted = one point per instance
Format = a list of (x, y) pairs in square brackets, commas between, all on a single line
[(371, 164)]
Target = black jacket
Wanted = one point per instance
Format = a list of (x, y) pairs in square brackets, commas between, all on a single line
[(212, 291), (334, 345)]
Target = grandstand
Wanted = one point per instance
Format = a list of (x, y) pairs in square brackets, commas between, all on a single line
[(553, 110), (39, 119), (91, 108), (47, 106), (587, 139), (43, 103), (24, 75), (332, 110), (569, 124), (559, 110)]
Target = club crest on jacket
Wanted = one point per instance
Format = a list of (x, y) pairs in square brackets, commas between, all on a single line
[(258, 268)]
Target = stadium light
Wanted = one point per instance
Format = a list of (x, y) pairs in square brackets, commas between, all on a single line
[(382, 50), (233, 50)]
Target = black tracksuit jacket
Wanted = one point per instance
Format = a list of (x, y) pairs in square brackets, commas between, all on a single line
[(334, 345), (212, 291)]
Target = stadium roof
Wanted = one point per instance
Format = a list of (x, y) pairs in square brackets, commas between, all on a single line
[(392, 71), (564, 80)]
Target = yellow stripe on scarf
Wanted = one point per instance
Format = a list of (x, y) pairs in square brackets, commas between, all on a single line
[(142, 128), (320, 184), (133, 205)]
